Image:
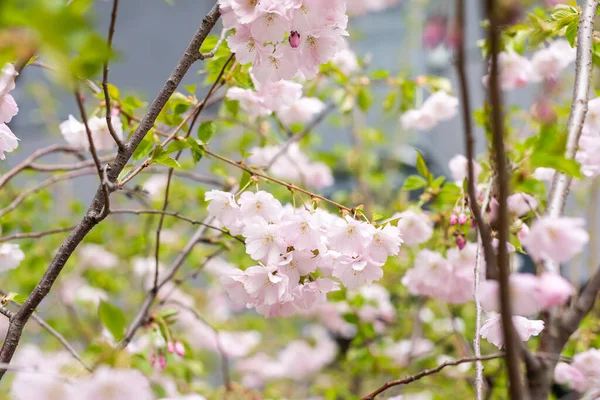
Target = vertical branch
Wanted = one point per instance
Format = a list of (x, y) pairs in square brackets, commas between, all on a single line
[(111, 32), (516, 387)]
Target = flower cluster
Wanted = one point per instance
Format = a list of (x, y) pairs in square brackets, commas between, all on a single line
[(529, 295), (438, 107), (293, 164), (583, 375), (75, 133), (284, 38), (8, 109), (282, 97), (517, 71), (290, 244)]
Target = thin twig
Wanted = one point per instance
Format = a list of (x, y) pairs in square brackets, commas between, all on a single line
[(211, 54), (430, 371), (67, 167), (111, 32), (220, 349), (36, 235), (34, 156)]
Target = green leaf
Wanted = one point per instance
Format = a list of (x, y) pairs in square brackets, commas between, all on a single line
[(113, 91), (422, 167), (571, 32), (414, 182), (196, 148), (125, 171), (16, 297), (206, 130), (380, 74), (164, 159), (365, 99), (351, 318), (191, 88), (112, 318)]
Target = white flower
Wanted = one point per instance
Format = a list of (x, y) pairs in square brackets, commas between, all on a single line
[(521, 203), (357, 270), (492, 329), (40, 386), (259, 204), (155, 186), (549, 62), (556, 239), (11, 256), (100, 133), (515, 71), (346, 61), (386, 242), (74, 132), (438, 107), (264, 241), (96, 256), (349, 235), (114, 384), (222, 206), (416, 228), (8, 141), (459, 169), (266, 285), (301, 111)]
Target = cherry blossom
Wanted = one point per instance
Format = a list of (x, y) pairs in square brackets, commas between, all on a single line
[(8, 141), (554, 290), (357, 270), (266, 285), (346, 61), (550, 61), (349, 235), (27, 386), (403, 351), (491, 330), (524, 295), (96, 256), (386, 242), (591, 125), (521, 203), (75, 134), (557, 239), (458, 166), (587, 155), (116, 384), (222, 206), (565, 373), (264, 241), (11, 256), (259, 204), (515, 71), (438, 107), (7, 78), (8, 108), (583, 374), (544, 174), (301, 111), (416, 228)]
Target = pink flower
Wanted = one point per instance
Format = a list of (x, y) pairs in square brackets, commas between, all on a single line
[(74, 132), (459, 168), (564, 373), (302, 111), (303, 232), (349, 235), (296, 264), (245, 10), (271, 22), (591, 125), (264, 241), (277, 64), (233, 283), (7, 78), (249, 101), (491, 330), (386, 242), (8, 108), (430, 275), (116, 384), (266, 285), (222, 206), (524, 295), (521, 203), (259, 204), (101, 135), (438, 107), (549, 62), (515, 70), (523, 232), (588, 155), (357, 270), (243, 44), (588, 364), (416, 228), (421, 120), (280, 94), (544, 174), (8, 141), (554, 290), (346, 61), (318, 175), (557, 239), (308, 295)]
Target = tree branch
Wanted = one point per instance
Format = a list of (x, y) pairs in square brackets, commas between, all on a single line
[(91, 217), (516, 387), (430, 371), (111, 32), (35, 235)]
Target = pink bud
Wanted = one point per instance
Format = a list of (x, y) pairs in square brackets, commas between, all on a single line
[(179, 349), (170, 347), (115, 112), (462, 218), (453, 219), (461, 242), (523, 232), (152, 359), (162, 361), (294, 39)]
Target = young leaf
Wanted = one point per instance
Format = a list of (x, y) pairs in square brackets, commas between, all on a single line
[(365, 99), (164, 159), (112, 318), (206, 130), (414, 182), (422, 167)]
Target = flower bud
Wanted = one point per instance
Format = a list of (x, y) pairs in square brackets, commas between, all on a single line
[(523, 232), (162, 361), (294, 39), (179, 349), (152, 359), (170, 347), (462, 218), (453, 219), (461, 242)]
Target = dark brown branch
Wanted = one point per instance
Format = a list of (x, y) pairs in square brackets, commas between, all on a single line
[(516, 387), (111, 32), (91, 218), (430, 371)]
